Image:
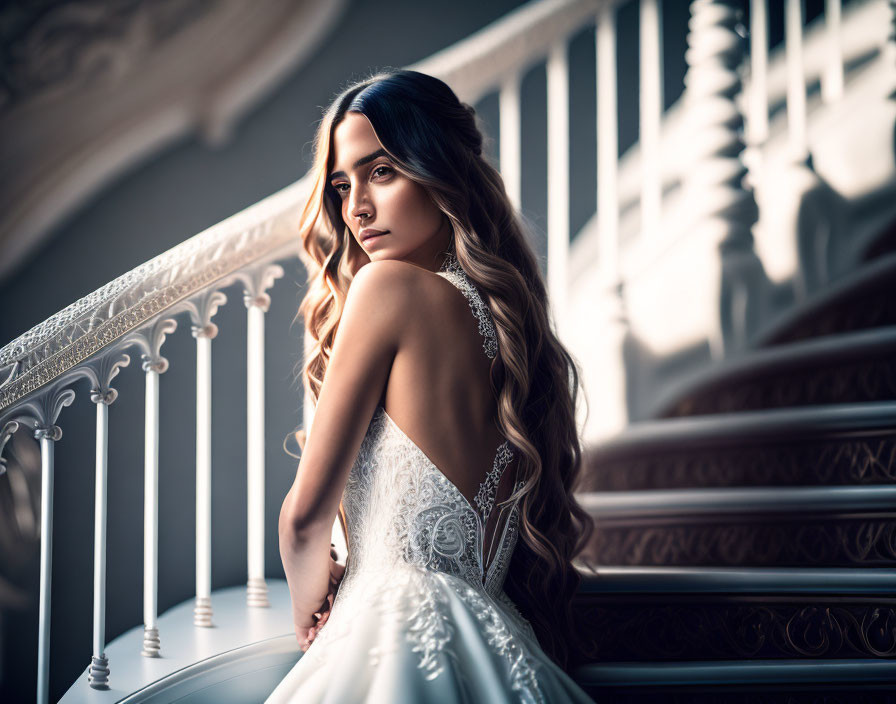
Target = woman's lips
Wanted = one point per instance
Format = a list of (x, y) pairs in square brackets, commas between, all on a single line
[(371, 238)]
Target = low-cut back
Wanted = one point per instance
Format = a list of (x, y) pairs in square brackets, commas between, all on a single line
[(421, 614)]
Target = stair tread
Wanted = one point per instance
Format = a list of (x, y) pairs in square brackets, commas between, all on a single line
[(735, 671), (731, 428), (608, 579), (726, 500), (831, 349)]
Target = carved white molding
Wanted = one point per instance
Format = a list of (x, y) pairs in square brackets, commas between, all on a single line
[(202, 309), (150, 341), (41, 413), (101, 371), (256, 281), (91, 90)]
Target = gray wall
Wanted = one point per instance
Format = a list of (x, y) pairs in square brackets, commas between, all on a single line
[(171, 197)]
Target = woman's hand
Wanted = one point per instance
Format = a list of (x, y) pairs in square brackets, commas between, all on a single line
[(306, 633)]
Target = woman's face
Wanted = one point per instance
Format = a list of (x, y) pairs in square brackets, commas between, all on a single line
[(376, 198)]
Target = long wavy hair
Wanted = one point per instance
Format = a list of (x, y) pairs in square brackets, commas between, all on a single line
[(433, 139)]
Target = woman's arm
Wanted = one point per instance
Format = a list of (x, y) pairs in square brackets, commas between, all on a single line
[(379, 307)]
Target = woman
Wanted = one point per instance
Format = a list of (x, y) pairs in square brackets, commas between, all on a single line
[(425, 299)]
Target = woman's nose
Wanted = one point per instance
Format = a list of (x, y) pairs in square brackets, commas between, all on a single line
[(359, 205)]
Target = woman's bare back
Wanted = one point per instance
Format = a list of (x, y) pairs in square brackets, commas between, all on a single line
[(438, 392)]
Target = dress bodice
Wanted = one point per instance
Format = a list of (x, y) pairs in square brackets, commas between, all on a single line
[(401, 508)]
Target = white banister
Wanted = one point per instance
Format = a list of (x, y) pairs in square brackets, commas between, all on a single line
[(651, 114), (719, 206), (151, 639), (510, 134), (204, 331), (796, 85), (101, 371), (607, 145), (832, 78), (256, 593), (202, 613), (757, 99), (40, 414), (98, 672), (558, 179), (47, 437), (475, 67), (153, 364), (258, 302)]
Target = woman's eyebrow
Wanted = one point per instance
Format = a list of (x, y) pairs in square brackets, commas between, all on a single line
[(360, 162)]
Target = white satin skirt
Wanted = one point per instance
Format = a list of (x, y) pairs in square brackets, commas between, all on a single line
[(418, 637)]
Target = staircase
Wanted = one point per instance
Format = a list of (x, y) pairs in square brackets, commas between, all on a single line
[(731, 304), (751, 525)]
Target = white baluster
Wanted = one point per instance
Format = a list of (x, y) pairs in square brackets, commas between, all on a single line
[(101, 373), (257, 302), (202, 615), (152, 642), (47, 438), (796, 81), (651, 102), (153, 364), (558, 179), (811, 208), (757, 106), (204, 331), (609, 315), (607, 145), (98, 672), (832, 79), (40, 414), (722, 208), (510, 130)]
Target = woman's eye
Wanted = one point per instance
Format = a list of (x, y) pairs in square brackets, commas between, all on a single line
[(381, 170)]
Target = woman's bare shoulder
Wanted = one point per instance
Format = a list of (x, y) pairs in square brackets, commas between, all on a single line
[(400, 281)]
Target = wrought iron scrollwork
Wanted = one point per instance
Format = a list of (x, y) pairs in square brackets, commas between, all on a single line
[(738, 627), (829, 541), (816, 461)]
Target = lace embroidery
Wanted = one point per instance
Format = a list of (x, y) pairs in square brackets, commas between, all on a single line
[(503, 641), (485, 498), (495, 578), (416, 541), (452, 270)]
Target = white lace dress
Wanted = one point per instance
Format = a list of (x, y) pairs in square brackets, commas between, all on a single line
[(420, 615)]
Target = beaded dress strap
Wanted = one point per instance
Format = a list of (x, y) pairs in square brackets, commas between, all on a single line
[(452, 270)]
